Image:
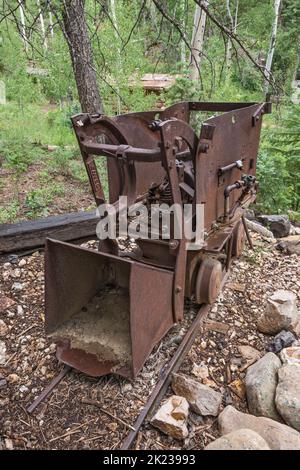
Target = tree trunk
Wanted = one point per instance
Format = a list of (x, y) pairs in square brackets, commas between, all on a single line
[(153, 16), (119, 59), (233, 26), (50, 19), (197, 41), (182, 15), (23, 26), (272, 46), (42, 25), (76, 33)]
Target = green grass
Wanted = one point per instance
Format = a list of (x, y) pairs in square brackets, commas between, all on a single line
[(9, 213), (25, 134), (27, 130), (38, 200)]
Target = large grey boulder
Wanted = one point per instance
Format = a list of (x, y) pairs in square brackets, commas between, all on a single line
[(278, 224), (241, 439), (278, 436), (203, 400), (288, 394), (261, 382), (280, 313)]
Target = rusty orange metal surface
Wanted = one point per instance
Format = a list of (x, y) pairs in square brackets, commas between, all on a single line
[(154, 157)]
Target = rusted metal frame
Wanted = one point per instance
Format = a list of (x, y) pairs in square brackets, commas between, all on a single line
[(170, 131), (240, 205), (122, 152), (169, 163), (262, 109), (225, 106), (217, 106), (49, 389), (94, 178), (229, 253), (127, 152), (238, 164), (227, 191), (247, 232), (217, 240), (82, 123)]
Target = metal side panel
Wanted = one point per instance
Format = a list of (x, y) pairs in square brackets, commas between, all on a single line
[(74, 278), (151, 314)]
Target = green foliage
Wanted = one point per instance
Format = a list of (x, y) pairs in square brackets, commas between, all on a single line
[(279, 165), (184, 89), (9, 213), (39, 107), (38, 200), (20, 87), (60, 161), (27, 131)]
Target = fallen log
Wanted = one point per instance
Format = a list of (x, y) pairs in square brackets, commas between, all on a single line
[(258, 228), (33, 233)]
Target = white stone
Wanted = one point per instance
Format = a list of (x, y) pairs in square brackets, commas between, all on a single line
[(2, 353), (171, 417), (290, 355)]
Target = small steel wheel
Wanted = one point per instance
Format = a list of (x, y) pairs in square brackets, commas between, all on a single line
[(238, 240), (208, 281)]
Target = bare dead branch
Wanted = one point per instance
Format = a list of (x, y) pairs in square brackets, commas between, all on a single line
[(134, 26), (235, 38)]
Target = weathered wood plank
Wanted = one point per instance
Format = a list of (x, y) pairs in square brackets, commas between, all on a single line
[(33, 233)]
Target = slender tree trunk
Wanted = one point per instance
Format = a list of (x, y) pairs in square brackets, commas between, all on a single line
[(50, 19), (197, 41), (272, 46), (183, 28), (23, 26), (76, 33), (42, 24), (119, 59), (233, 27), (153, 15)]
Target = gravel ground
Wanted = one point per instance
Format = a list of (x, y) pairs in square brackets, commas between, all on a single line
[(64, 422)]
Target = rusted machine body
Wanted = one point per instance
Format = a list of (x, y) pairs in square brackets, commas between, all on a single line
[(107, 309)]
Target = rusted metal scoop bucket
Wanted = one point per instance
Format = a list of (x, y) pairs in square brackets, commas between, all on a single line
[(105, 313)]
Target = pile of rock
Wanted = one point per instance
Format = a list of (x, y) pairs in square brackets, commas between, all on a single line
[(271, 386), (272, 227), (241, 431), (171, 418)]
